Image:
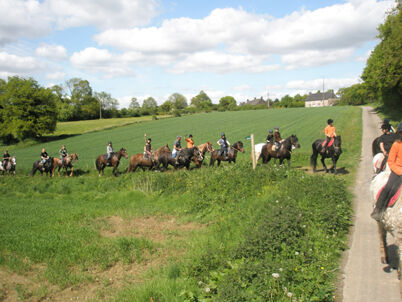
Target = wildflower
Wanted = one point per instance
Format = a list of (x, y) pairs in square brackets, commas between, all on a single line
[(289, 294), (277, 201), (207, 290), (304, 225), (280, 269), (275, 275), (322, 267), (297, 253), (295, 269)]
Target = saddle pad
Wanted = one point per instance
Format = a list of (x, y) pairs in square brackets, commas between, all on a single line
[(393, 198), (273, 148), (329, 144)]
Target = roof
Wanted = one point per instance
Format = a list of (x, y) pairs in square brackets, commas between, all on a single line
[(321, 96)]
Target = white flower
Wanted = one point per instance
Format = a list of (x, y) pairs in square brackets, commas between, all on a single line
[(280, 269), (304, 225), (277, 201), (297, 253), (207, 290), (289, 294), (275, 275)]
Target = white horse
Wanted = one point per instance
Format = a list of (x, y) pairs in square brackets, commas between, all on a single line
[(257, 150), (10, 168), (391, 221), (377, 161)]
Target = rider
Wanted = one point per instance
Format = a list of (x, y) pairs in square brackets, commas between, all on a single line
[(329, 133), (148, 150), (386, 141), (6, 158), (109, 152), (176, 149), (391, 129), (395, 178), (44, 157), (63, 153), (270, 137), (190, 141), (224, 143), (277, 139)]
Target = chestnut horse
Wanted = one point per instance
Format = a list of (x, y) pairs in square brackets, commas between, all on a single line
[(66, 163), (138, 160), (102, 162), (231, 156), (284, 152), (204, 148)]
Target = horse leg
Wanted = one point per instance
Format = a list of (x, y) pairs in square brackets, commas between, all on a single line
[(334, 159), (219, 162), (71, 171), (212, 161), (383, 243), (323, 163)]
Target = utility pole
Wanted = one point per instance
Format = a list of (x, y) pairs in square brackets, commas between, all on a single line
[(100, 109), (323, 91), (268, 99)]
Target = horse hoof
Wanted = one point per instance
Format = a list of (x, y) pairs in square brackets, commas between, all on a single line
[(383, 260)]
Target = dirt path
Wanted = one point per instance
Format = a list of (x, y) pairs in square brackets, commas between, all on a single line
[(364, 277)]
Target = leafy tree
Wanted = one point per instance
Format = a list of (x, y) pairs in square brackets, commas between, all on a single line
[(382, 74), (26, 110), (107, 103), (178, 101), (166, 106), (227, 103), (202, 101), (149, 103), (134, 104), (357, 94)]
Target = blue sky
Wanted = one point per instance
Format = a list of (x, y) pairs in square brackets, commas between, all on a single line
[(142, 48)]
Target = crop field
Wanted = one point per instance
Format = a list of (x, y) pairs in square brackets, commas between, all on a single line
[(211, 234)]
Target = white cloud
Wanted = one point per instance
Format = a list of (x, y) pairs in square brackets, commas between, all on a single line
[(57, 75), (22, 19), (364, 57), (309, 58), (55, 52), (17, 65), (96, 60)]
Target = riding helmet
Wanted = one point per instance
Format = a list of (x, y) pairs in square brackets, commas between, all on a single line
[(190, 135), (223, 134), (330, 121), (109, 143), (276, 128), (270, 131), (385, 127)]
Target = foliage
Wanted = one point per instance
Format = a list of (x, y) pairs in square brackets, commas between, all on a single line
[(357, 94), (166, 106), (227, 103), (382, 74), (202, 101), (178, 101), (26, 110)]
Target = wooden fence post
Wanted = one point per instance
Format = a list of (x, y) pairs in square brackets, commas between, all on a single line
[(253, 152)]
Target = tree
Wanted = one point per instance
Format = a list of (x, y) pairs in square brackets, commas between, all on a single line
[(26, 110), (382, 74), (166, 106), (107, 103), (178, 101), (149, 106), (357, 94), (134, 104), (202, 101), (227, 103)]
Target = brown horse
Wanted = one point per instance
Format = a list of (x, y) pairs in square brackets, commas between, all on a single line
[(231, 156), (138, 160), (203, 148), (102, 162), (66, 163), (284, 152)]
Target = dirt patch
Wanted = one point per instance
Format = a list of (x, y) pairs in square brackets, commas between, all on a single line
[(157, 229)]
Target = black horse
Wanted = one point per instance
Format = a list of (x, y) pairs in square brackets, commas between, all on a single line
[(284, 152), (46, 167), (375, 146), (333, 152), (187, 155)]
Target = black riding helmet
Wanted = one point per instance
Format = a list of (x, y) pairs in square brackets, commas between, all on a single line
[(330, 121)]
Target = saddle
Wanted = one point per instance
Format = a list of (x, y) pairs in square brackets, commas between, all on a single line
[(393, 199), (330, 143)]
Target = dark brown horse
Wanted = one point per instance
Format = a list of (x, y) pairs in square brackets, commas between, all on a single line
[(231, 156), (187, 155), (46, 167), (268, 151), (332, 152), (204, 148), (138, 160), (102, 162), (66, 163)]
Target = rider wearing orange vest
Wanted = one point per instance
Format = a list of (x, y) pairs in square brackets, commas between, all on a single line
[(190, 141), (329, 133)]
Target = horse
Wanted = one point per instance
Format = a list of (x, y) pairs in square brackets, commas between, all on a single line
[(102, 162), (187, 155), (377, 163), (333, 152), (204, 148), (46, 167), (66, 163), (284, 152), (391, 220), (231, 155), (375, 146), (9, 167)]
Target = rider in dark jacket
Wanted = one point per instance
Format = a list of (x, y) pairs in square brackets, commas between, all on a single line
[(270, 137), (6, 158), (63, 153), (44, 157)]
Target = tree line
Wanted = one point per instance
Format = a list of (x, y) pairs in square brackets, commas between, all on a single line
[(381, 77)]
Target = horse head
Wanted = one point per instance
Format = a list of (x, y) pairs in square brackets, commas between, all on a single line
[(74, 156), (13, 161), (238, 146), (197, 154), (337, 145), (123, 152), (210, 148), (294, 141)]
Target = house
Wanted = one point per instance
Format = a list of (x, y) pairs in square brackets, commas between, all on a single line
[(320, 99), (254, 102)]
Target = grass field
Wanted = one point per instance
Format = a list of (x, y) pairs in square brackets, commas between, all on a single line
[(209, 234), (307, 124)]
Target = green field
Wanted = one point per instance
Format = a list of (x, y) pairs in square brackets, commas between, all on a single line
[(209, 234), (307, 124)]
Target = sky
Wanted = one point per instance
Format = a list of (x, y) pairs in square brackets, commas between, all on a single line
[(142, 48)]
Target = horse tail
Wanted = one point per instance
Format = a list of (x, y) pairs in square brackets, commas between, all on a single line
[(313, 158), (97, 166), (34, 168)]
